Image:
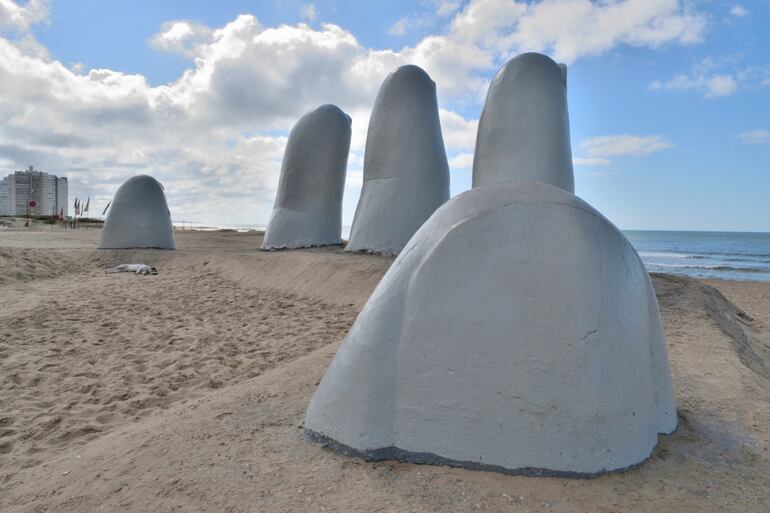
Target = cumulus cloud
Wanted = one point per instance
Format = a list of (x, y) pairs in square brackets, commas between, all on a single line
[(215, 135), (590, 161), (711, 86), (715, 77), (197, 134), (569, 29), (755, 136), (309, 11), (625, 144), (461, 161), (427, 19), (459, 133), (400, 27), (20, 17), (446, 7), (180, 36), (599, 151), (739, 11)]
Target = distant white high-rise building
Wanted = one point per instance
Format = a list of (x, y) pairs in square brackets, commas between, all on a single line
[(8, 195), (49, 192)]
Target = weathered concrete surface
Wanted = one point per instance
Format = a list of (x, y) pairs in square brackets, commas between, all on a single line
[(308, 205), (523, 133), (138, 217), (517, 331), (406, 175)]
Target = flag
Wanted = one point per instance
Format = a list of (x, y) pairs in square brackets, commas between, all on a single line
[(61, 215), (105, 208), (77, 204), (88, 202)]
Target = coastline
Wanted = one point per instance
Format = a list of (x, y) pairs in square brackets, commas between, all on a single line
[(131, 393)]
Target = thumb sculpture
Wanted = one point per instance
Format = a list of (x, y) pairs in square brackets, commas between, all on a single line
[(308, 206), (517, 331), (406, 174), (138, 217)]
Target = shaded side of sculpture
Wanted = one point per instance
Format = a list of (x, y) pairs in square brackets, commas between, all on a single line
[(138, 217), (406, 174), (523, 133), (308, 205), (516, 330)]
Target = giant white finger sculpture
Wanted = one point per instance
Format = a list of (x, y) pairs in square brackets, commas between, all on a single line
[(406, 175), (517, 331), (523, 133), (308, 206), (138, 217)]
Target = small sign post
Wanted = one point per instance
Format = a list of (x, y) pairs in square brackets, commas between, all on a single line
[(31, 204)]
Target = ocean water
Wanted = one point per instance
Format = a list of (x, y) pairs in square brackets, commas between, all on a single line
[(742, 256)]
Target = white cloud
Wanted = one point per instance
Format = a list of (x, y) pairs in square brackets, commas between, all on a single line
[(14, 16), (717, 77), (215, 135), (400, 27), (569, 29), (309, 11), (599, 151), (625, 144), (354, 178), (446, 7), (590, 161), (459, 133), (181, 37), (739, 11), (461, 161), (441, 9), (713, 78), (755, 136), (203, 135), (720, 85), (711, 86)]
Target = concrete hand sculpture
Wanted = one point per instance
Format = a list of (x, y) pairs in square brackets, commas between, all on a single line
[(138, 217), (406, 175), (308, 206), (517, 331)]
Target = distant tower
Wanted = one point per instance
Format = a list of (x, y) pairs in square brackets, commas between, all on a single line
[(49, 192)]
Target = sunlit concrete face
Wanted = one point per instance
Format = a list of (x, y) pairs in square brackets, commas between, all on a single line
[(138, 217), (308, 205), (523, 133), (406, 175), (517, 331)]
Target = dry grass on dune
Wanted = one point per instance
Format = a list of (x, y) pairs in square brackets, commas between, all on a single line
[(184, 391)]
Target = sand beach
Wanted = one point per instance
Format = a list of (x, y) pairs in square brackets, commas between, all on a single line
[(186, 391)]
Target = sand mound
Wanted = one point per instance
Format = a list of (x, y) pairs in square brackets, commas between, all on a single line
[(23, 265), (742, 329), (85, 353), (236, 446)]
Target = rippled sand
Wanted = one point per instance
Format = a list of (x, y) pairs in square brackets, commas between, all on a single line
[(185, 391)]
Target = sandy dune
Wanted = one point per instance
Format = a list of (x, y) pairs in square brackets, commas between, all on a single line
[(186, 391)]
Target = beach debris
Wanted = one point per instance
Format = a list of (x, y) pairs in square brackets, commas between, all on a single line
[(517, 331), (138, 217), (406, 175), (132, 268), (308, 205)]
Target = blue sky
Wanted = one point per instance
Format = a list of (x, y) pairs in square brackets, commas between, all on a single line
[(669, 101)]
